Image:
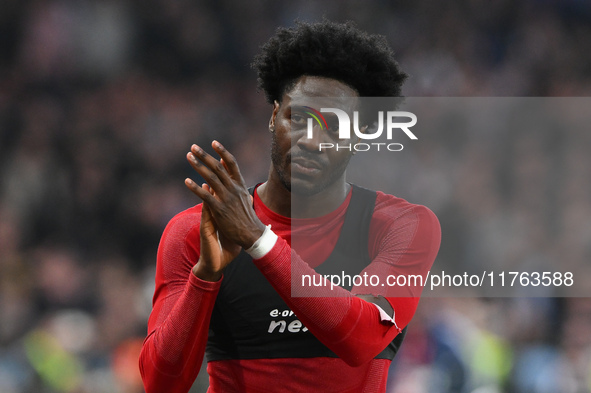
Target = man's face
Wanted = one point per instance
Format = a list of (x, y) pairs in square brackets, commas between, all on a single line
[(298, 162)]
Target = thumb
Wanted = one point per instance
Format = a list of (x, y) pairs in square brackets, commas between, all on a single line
[(207, 226), (205, 213)]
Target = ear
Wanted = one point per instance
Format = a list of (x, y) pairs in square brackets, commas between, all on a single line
[(273, 116)]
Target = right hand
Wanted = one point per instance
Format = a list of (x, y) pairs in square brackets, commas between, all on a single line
[(216, 251), (230, 203)]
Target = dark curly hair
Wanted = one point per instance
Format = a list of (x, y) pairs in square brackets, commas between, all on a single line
[(339, 51)]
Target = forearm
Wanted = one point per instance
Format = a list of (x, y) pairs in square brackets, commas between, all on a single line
[(346, 324), (173, 351)]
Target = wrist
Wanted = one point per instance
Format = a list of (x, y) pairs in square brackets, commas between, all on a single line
[(204, 273), (253, 236), (263, 244)]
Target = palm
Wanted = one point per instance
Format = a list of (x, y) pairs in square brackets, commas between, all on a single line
[(216, 250)]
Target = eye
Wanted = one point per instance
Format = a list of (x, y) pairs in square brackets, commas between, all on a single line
[(333, 126), (298, 118)]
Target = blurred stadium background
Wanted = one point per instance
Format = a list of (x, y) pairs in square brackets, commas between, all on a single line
[(100, 100)]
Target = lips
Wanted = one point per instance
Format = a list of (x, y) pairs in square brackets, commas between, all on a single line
[(305, 167), (305, 163)]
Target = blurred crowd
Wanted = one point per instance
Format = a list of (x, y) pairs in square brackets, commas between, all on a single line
[(100, 101)]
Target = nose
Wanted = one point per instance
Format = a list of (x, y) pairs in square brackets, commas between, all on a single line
[(311, 144)]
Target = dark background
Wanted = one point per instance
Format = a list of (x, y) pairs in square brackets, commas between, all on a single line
[(100, 101)]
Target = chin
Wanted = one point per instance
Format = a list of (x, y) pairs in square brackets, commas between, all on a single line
[(299, 186), (306, 188)]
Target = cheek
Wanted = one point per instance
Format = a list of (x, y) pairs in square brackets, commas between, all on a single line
[(284, 124), (285, 140), (279, 149), (338, 159)]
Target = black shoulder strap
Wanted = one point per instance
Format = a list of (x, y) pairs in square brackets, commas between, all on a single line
[(354, 235), (350, 255)]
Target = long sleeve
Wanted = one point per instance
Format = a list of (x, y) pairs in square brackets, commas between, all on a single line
[(348, 325), (178, 326)]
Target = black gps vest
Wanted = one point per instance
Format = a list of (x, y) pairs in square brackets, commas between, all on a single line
[(251, 321)]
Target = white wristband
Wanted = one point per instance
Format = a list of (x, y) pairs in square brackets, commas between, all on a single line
[(263, 245)]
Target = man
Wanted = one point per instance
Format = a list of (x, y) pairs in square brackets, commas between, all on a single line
[(228, 272)]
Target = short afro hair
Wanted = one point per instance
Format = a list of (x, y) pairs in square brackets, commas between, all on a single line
[(339, 51)]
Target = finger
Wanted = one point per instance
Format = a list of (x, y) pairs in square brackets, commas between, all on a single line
[(210, 177), (225, 166), (213, 164), (205, 195), (207, 188), (229, 161)]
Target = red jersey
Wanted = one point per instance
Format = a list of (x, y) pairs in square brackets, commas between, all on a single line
[(403, 239)]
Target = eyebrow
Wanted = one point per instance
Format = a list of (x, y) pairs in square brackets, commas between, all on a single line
[(315, 114), (328, 117)]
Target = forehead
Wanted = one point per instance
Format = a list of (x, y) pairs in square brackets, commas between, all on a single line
[(320, 92)]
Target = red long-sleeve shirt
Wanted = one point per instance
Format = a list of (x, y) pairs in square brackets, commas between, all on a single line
[(403, 240)]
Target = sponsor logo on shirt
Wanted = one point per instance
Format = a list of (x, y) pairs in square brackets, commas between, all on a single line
[(282, 323)]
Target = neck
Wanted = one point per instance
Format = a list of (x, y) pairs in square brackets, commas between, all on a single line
[(281, 201)]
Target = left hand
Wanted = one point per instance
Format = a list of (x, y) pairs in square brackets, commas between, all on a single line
[(215, 252), (230, 204)]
